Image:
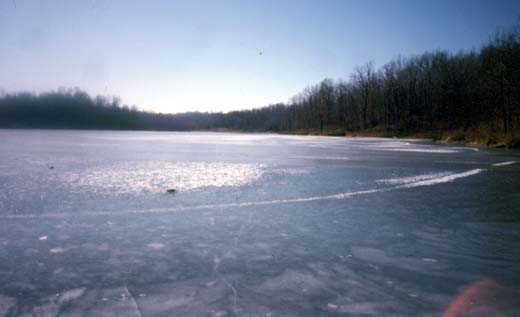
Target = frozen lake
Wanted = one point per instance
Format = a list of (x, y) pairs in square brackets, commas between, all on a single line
[(260, 225)]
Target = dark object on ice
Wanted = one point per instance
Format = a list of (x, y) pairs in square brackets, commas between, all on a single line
[(170, 191), (51, 167)]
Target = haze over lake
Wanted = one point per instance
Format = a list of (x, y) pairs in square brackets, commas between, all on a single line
[(259, 225)]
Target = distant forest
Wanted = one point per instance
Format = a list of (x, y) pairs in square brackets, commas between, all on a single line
[(429, 93)]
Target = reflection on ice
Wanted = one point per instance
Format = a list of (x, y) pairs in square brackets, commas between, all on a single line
[(155, 177), (423, 150)]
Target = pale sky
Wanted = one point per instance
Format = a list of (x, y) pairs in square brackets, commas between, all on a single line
[(175, 56)]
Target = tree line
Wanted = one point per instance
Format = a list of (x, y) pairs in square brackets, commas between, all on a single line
[(431, 92)]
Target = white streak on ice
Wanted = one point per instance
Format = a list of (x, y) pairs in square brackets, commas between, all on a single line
[(72, 294), (155, 245), (333, 158), (422, 150), (504, 163), (56, 250), (443, 179), (429, 260), (411, 179)]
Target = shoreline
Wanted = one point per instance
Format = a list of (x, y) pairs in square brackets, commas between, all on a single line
[(482, 138)]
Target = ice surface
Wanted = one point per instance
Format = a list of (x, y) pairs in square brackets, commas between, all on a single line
[(403, 182), (296, 281), (6, 304), (379, 257), (52, 305), (190, 297), (263, 225), (115, 302)]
